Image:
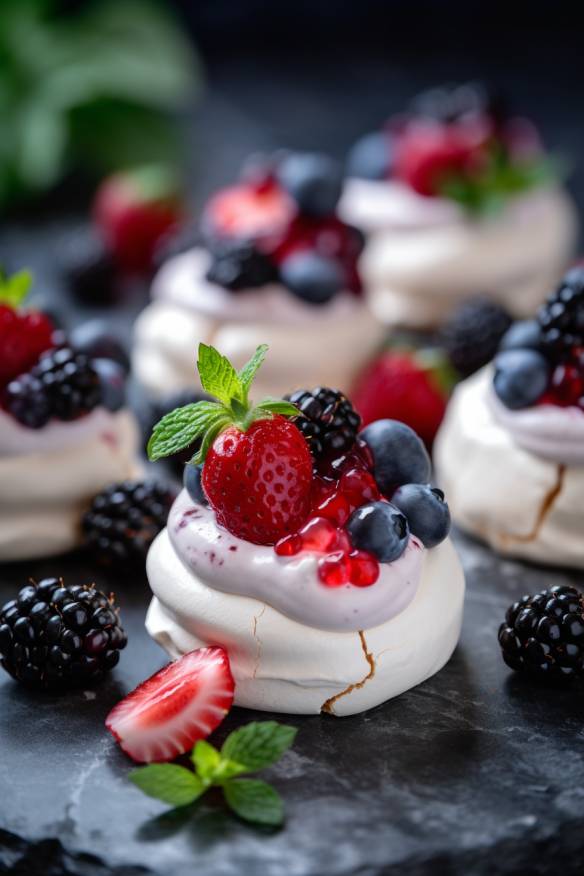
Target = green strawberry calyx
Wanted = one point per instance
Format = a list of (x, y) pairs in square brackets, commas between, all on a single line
[(14, 289), (206, 420)]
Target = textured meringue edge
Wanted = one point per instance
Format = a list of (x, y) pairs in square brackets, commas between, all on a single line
[(521, 504), (282, 666), (415, 272), (43, 495), (309, 346)]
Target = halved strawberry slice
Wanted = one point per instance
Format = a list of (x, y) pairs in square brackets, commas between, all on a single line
[(177, 706)]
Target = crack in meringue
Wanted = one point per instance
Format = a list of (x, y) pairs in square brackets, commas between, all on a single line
[(547, 504), (328, 705)]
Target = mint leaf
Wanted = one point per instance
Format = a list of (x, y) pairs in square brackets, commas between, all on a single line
[(168, 782), (258, 744), (254, 800), (248, 372), (179, 428), (206, 759), (218, 376), (278, 406), (14, 289)]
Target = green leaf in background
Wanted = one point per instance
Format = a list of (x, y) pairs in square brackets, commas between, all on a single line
[(254, 800), (97, 89), (168, 782), (258, 744)]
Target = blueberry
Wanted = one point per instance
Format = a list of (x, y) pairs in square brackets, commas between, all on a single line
[(311, 277), (380, 529), (525, 334), (193, 485), (96, 339), (399, 455), (113, 383), (370, 157), (521, 377), (426, 511), (314, 180)]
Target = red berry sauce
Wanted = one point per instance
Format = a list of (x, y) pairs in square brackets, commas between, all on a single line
[(334, 498)]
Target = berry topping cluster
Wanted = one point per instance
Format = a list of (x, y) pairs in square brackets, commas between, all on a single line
[(298, 475), (54, 636), (43, 378), (457, 142), (541, 361), (279, 224), (543, 635)]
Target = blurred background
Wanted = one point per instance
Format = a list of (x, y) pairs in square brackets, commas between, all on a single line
[(89, 87)]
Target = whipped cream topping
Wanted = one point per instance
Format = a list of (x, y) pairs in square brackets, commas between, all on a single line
[(18, 440), (181, 281), (519, 502), (284, 666), (49, 475), (289, 584), (423, 255), (549, 431)]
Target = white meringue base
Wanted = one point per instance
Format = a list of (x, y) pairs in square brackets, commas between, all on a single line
[(521, 504), (280, 665), (309, 345), (415, 272), (43, 494)]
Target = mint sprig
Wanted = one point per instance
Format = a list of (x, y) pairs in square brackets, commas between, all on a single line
[(250, 748), (207, 419), (14, 289)]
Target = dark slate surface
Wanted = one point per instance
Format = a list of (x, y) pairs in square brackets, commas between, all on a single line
[(474, 772)]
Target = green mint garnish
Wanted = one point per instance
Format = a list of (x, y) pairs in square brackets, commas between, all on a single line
[(207, 419), (252, 747), (486, 191), (14, 289)]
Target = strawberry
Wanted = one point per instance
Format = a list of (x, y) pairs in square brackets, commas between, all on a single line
[(257, 472), (258, 482), (134, 211), (250, 211), (23, 335), (402, 386), (182, 703)]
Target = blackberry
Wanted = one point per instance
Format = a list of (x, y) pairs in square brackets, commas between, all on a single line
[(57, 637), (330, 423), (472, 335), (88, 268), (123, 521), (164, 406), (561, 318), (63, 384), (237, 264), (543, 635)]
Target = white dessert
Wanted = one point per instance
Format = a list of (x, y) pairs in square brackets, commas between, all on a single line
[(514, 478), (48, 476), (294, 644), (425, 255), (310, 345)]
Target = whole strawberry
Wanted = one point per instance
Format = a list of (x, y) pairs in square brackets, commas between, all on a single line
[(23, 335), (134, 211), (257, 471), (407, 386)]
